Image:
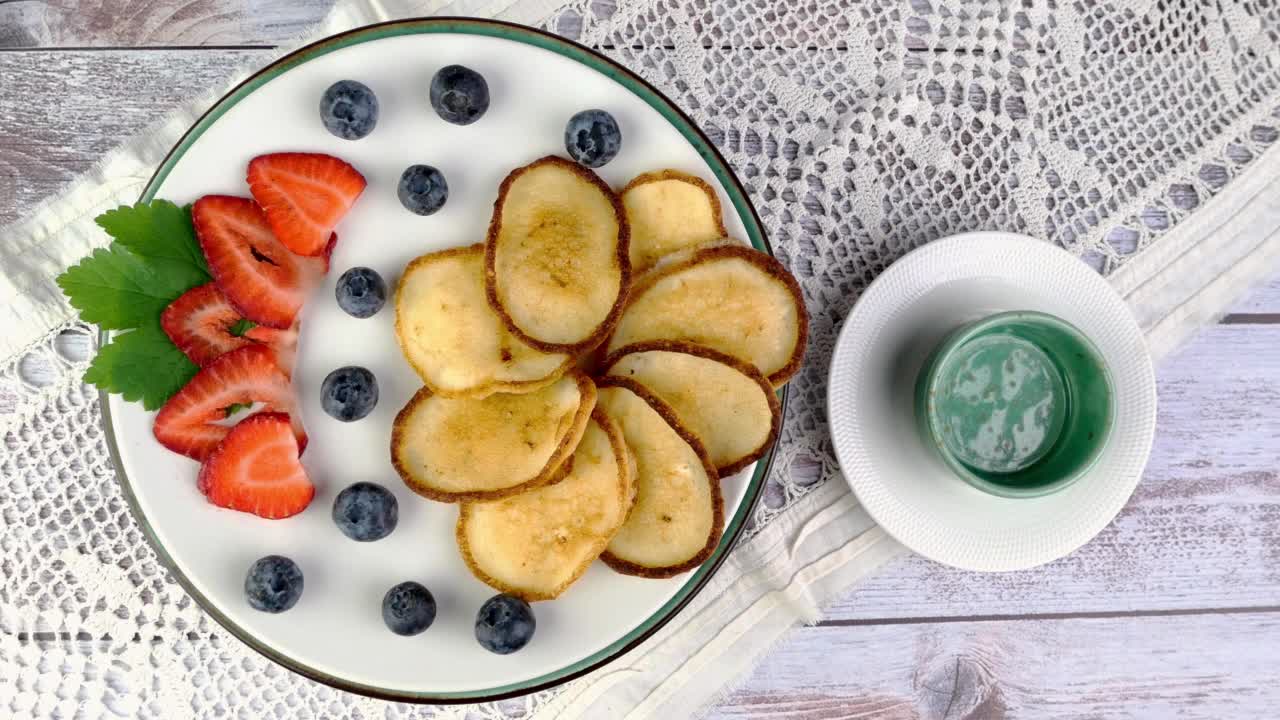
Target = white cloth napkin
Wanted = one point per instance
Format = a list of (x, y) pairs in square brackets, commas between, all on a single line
[(801, 559)]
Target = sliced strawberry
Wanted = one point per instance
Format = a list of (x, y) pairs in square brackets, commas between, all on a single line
[(202, 322), (284, 343), (261, 278), (255, 469), (305, 195), (199, 322), (328, 250), (187, 423)]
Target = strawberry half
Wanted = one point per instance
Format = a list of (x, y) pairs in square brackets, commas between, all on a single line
[(200, 323), (284, 343), (187, 423), (261, 278), (255, 469), (304, 195)]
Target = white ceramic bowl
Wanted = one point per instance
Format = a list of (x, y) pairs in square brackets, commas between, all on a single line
[(900, 479)]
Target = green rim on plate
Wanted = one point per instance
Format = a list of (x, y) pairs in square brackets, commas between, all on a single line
[(695, 137)]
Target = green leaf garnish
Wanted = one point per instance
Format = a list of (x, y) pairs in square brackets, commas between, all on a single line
[(126, 286), (141, 365), (158, 230), (242, 327), (117, 290)]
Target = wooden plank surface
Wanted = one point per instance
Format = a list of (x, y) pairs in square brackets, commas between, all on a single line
[(61, 110), (1263, 300), (1209, 667), (134, 23), (1172, 611)]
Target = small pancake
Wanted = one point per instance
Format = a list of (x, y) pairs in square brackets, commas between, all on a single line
[(722, 400), (557, 264), (726, 297), (476, 449), (455, 341), (668, 211), (678, 514), (536, 544)]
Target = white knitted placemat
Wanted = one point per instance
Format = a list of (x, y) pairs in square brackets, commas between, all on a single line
[(1139, 136)]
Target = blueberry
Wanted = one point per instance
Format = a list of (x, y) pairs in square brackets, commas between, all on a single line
[(504, 624), (459, 94), (592, 138), (423, 189), (365, 512), (349, 393), (349, 109), (273, 584), (361, 292), (408, 608)]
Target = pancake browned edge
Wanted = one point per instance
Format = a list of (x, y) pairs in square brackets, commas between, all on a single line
[(614, 434), (478, 391), (717, 499), (713, 202), (746, 368), (688, 258), (555, 469), (623, 248), (659, 175)]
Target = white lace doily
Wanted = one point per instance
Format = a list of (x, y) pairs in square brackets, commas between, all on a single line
[(862, 131)]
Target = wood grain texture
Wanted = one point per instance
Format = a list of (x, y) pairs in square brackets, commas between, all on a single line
[(1202, 666), (1262, 300), (60, 111), (1201, 531), (134, 23)]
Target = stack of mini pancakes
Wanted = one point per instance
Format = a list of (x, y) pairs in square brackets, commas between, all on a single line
[(591, 371)]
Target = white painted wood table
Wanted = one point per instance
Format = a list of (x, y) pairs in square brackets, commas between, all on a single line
[(1173, 611)]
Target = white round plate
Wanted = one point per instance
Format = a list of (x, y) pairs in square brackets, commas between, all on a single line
[(900, 479), (335, 634)]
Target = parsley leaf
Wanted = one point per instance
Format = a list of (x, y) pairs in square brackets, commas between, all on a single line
[(126, 286), (158, 231), (141, 365), (242, 327), (154, 259), (117, 290)]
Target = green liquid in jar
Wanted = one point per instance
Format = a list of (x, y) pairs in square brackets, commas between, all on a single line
[(1002, 403)]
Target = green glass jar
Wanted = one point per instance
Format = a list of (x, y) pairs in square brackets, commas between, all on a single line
[(1018, 404)]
